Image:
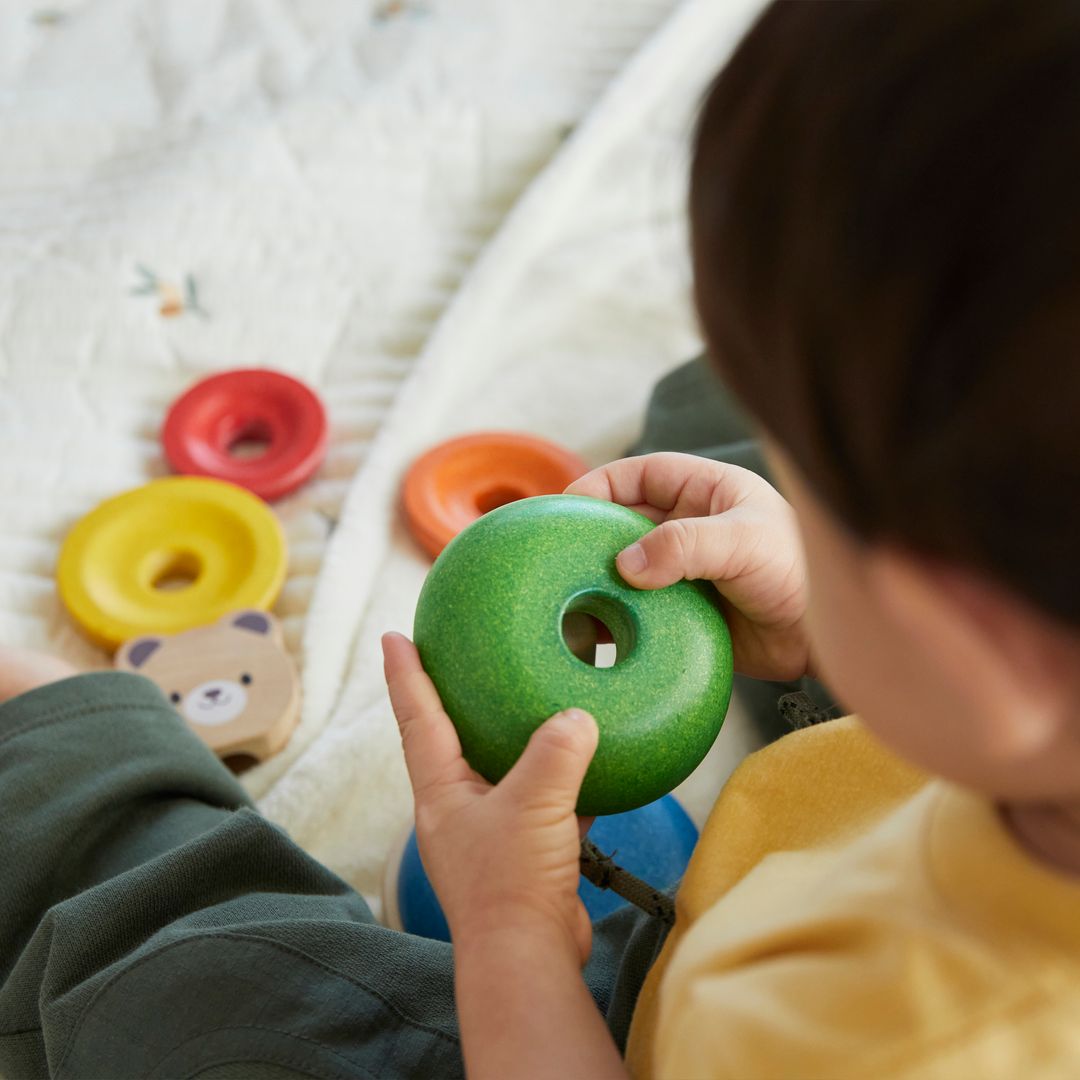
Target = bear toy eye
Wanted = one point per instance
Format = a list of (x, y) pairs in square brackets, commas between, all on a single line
[(174, 697), (245, 679)]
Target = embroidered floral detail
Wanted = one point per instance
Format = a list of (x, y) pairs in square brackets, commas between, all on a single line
[(392, 9), (174, 300), (48, 16)]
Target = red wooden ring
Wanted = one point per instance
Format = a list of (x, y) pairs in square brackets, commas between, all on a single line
[(452, 485), (207, 421)]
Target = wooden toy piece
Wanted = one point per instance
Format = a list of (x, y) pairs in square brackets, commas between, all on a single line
[(232, 681), (169, 556), (456, 482), (209, 428), (490, 627)]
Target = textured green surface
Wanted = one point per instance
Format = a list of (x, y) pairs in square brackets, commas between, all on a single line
[(489, 630)]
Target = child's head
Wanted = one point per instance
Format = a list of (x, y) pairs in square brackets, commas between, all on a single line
[(885, 215)]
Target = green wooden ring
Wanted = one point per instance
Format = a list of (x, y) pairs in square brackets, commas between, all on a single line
[(489, 630)]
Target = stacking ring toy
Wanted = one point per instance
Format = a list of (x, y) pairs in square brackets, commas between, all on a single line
[(171, 555), (206, 426), (489, 628), (654, 843), (460, 480)]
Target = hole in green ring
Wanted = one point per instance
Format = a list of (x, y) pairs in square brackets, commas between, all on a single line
[(582, 622)]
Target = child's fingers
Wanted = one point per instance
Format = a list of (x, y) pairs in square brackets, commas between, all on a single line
[(555, 761), (668, 485), (431, 744), (603, 483), (619, 482), (709, 548)]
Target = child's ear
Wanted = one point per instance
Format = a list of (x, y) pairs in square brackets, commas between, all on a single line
[(133, 654), (992, 646)]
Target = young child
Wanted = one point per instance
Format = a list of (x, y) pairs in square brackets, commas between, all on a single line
[(887, 259)]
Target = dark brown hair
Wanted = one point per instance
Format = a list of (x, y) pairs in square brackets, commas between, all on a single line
[(885, 217)]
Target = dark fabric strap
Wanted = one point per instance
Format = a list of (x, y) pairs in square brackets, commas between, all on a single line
[(601, 870)]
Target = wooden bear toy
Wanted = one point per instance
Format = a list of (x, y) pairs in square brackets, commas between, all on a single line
[(232, 681)]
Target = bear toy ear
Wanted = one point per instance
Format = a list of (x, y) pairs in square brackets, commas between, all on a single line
[(256, 622), (133, 654)]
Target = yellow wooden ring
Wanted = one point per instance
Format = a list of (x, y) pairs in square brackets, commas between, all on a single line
[(220, 544)]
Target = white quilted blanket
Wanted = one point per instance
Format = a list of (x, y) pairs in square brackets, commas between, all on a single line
[(331, 187)]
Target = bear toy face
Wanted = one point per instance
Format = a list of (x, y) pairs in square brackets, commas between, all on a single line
[(232, 681), (215, 702)]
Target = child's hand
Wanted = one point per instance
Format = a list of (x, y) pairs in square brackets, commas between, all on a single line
[(22, 670), (502, 857), (726, 525)]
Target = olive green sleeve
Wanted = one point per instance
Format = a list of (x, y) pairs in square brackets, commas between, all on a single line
[(97, 776), (153, 924)]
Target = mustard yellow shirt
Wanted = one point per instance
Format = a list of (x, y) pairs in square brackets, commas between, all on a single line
[(843, 917)]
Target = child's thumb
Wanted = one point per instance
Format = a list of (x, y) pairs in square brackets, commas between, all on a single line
[(680, 548), (555, 760)]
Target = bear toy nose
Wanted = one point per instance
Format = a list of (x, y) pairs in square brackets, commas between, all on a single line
[(213, 695)]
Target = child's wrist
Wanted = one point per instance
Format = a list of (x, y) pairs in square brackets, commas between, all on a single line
[(518, 935), (523, 1004)]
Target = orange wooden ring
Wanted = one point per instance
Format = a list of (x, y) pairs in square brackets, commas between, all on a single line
[(459, 481)]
